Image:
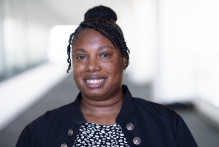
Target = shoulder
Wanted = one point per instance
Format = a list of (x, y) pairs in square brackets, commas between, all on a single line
[(58, 111), (50, 117), (155, 117), (155, 110), (159, 108), (48, 124)]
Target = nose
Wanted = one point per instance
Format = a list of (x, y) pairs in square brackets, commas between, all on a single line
[(93, 65)]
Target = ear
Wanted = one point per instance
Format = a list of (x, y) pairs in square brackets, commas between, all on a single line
[(124, 60)]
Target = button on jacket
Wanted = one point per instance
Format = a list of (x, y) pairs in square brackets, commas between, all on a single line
[(144, 124)]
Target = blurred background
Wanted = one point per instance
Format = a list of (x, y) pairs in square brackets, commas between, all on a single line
[(174, 59)]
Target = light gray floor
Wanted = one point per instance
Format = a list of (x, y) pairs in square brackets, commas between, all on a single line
[(66, 91)]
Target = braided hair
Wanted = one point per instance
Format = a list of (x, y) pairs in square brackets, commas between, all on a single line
[(102, 19)]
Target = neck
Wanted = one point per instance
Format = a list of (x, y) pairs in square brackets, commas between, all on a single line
[(93, 106), (101, 112)]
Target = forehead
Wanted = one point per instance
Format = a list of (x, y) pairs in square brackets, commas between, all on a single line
[(90, 37)]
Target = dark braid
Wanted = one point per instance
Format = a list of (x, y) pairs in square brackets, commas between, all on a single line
[(69, 51), (107, 27)]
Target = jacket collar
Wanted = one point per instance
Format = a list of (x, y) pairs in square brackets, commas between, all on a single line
[(75, 112), (123, 116), (127, 106)]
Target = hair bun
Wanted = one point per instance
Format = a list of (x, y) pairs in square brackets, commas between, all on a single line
[(100, 12)]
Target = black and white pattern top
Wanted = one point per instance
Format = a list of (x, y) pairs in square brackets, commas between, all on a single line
[(94, 135)]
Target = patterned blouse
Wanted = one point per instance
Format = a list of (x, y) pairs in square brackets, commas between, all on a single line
[(95, 135)]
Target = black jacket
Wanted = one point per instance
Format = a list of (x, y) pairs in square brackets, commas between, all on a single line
[(144, 124)]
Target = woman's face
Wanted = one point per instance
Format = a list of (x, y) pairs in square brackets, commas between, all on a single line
[(97, 66)]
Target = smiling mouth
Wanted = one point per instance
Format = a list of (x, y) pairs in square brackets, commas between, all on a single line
[(94, 83)]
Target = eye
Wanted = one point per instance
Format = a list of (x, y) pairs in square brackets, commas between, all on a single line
[(104, 54), (80, 57)]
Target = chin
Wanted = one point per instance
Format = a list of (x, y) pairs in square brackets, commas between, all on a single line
[(93, 92)]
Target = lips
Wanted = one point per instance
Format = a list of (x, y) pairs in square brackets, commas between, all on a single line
[(94, 81)]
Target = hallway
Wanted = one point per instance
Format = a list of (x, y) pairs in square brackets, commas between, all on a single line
[(65, 92), (174, 50)]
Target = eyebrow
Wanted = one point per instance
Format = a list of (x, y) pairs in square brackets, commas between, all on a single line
[(99, 48), (103, 47), (79, 50)]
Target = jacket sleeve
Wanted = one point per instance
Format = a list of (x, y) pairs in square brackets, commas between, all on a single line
[(184, 137), (24, 139)]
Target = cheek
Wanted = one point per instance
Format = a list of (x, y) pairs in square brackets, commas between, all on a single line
[(114, 66), (77, 69), (117, 63), (76, 65)]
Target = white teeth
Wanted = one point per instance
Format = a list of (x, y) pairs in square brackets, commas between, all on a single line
[(95, 81)]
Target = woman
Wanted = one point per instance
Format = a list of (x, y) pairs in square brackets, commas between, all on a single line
[(104, 112)]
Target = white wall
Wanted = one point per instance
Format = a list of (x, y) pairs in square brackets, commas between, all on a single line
[(188, 43), (174, 44), (140, 33), (24, 35)]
